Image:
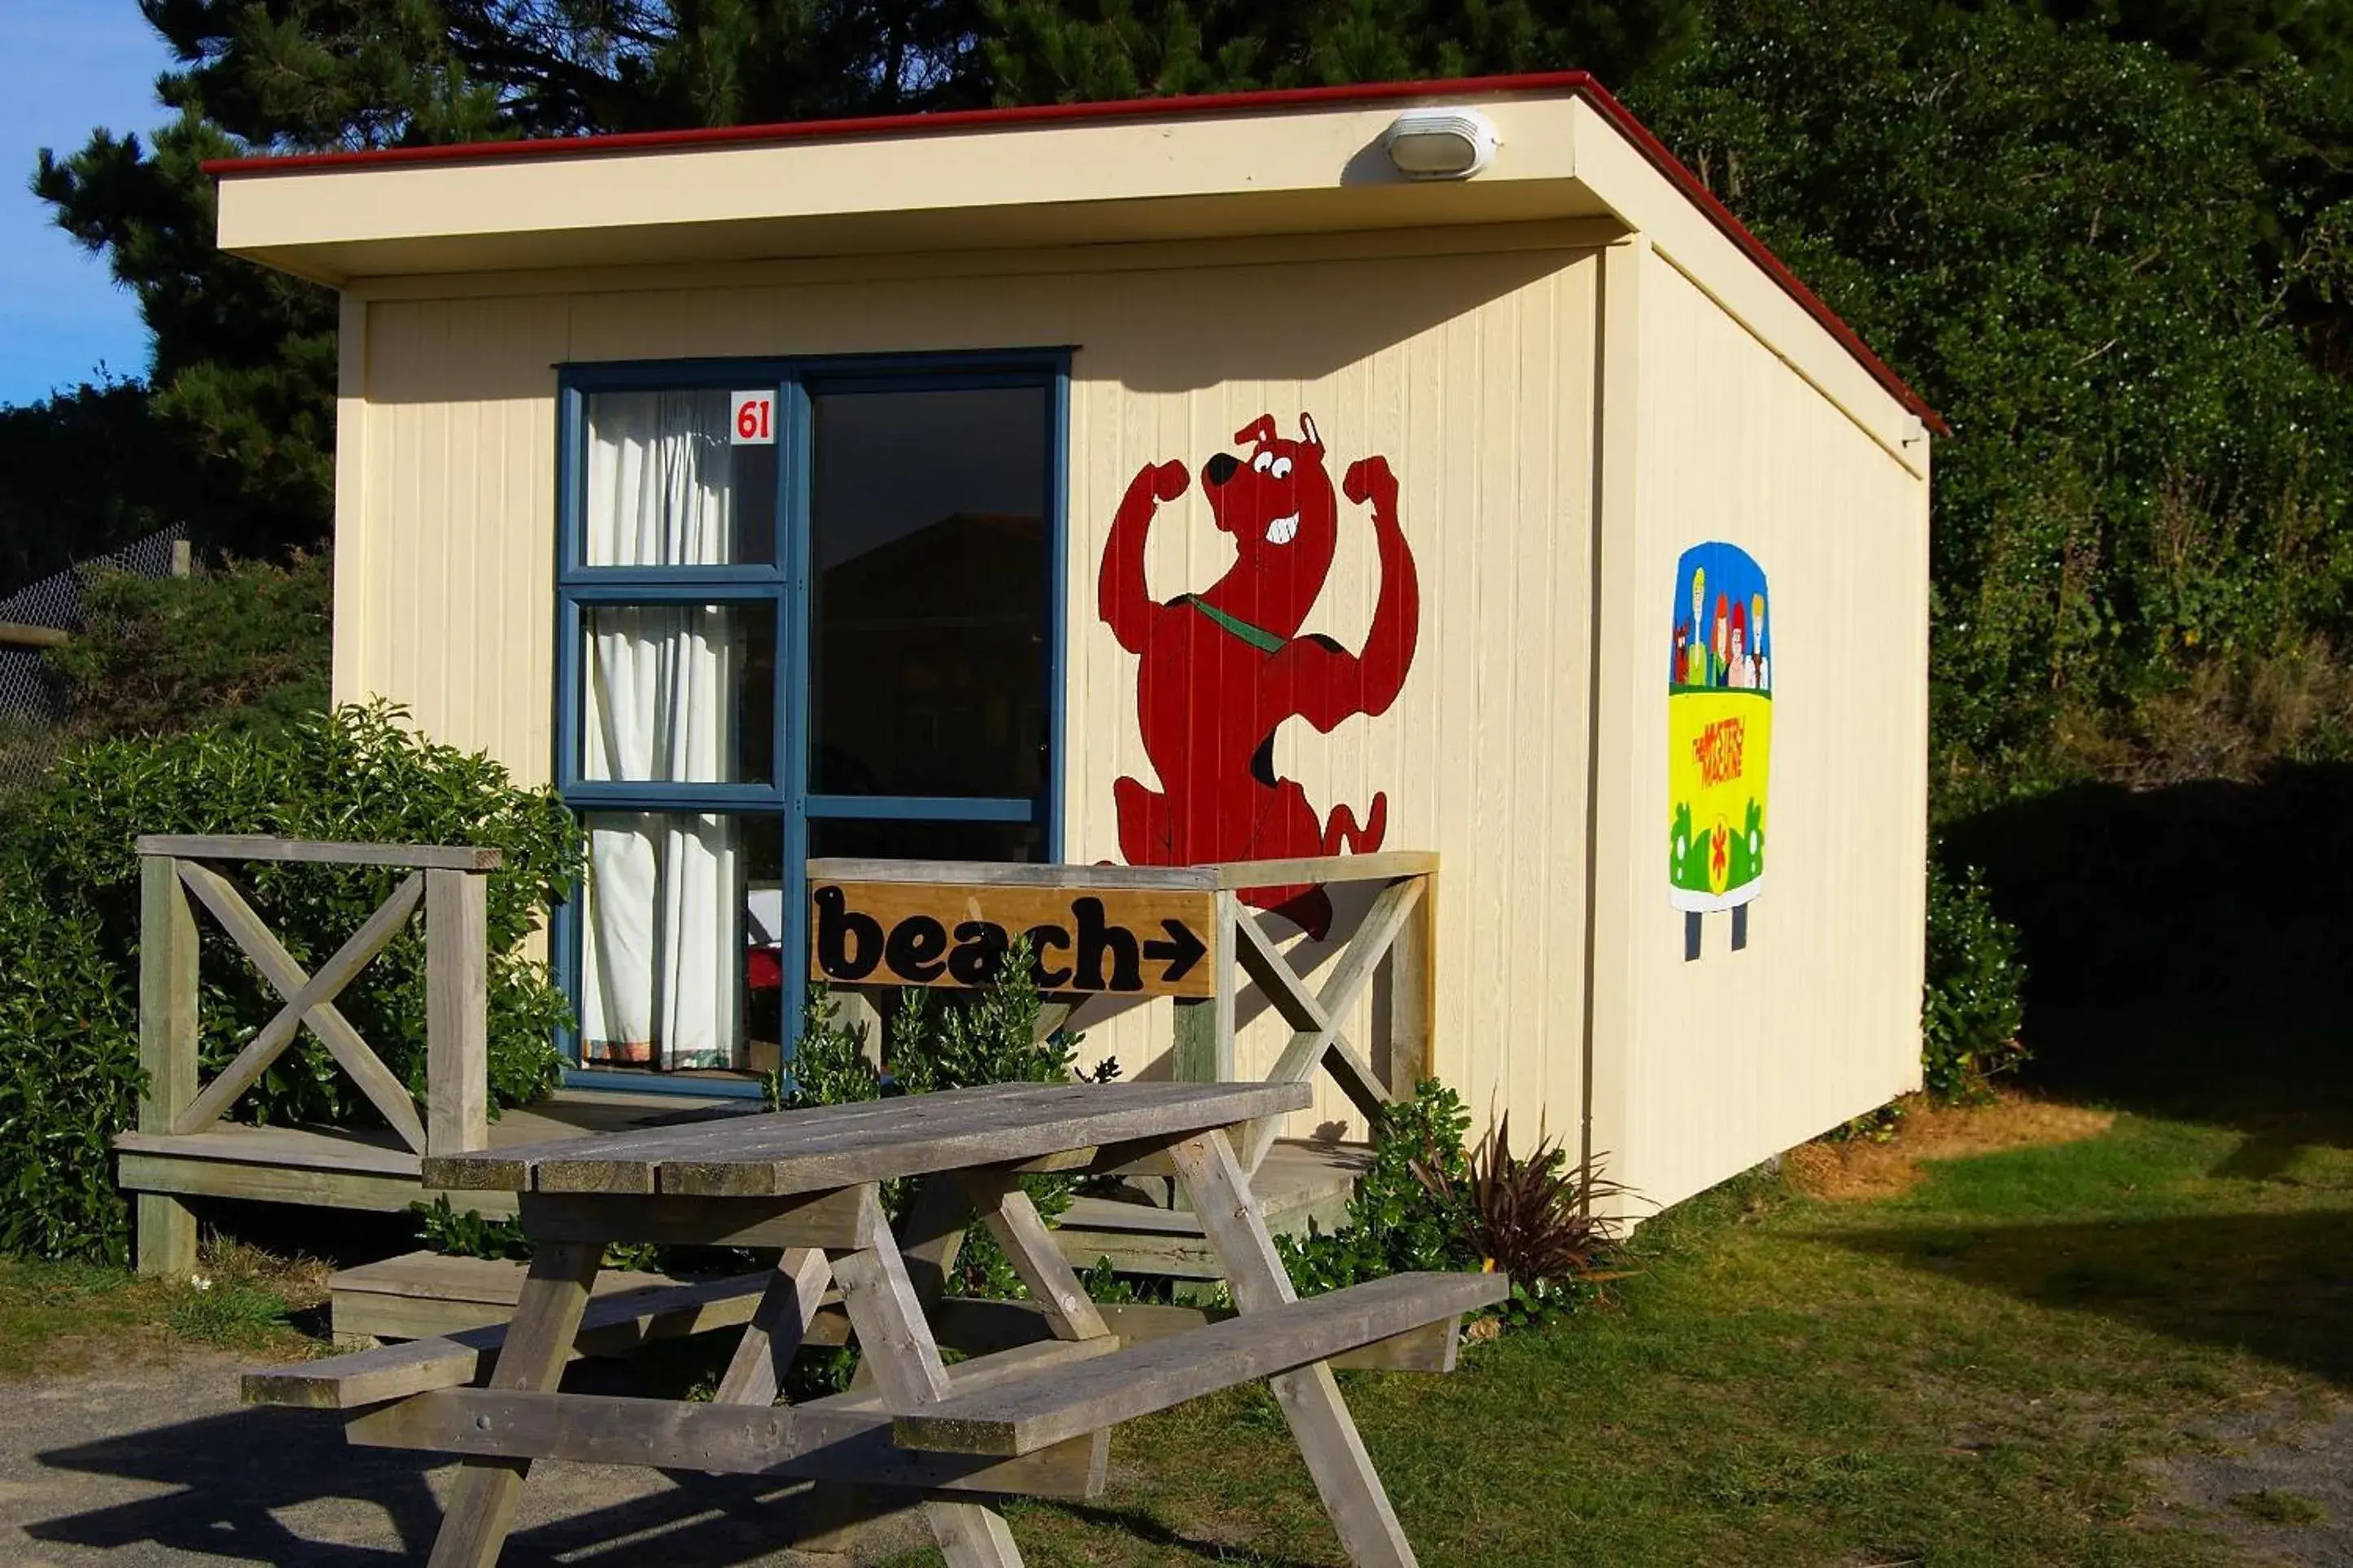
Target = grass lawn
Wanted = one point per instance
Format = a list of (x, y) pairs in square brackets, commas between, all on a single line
[(1968, 1372), (57, 1319), (1973, 1360)]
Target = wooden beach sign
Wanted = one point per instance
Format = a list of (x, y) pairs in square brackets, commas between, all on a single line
[(1135, 941)]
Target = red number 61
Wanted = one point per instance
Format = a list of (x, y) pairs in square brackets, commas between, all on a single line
[(752, 418)]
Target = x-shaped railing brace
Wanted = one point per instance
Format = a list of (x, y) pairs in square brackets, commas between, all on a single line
[(1316, 1017), (310, 1000)]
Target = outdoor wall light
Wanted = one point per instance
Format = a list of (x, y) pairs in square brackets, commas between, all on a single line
[(1440, 144)]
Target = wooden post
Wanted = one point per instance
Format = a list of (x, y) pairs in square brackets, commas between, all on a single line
[(1205, 1026), (457, 992), (167, 1051), (854, 1008), (887, 1315), (1310, 1396), (1408, 981), (838, 1517), (546, 1320)]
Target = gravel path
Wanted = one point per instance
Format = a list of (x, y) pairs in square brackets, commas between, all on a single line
[(2302, 1470), (161, 1465)]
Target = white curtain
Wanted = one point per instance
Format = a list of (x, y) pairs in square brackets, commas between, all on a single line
[(662, 954)]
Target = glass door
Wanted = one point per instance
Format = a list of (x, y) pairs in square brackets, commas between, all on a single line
[(819, 617)]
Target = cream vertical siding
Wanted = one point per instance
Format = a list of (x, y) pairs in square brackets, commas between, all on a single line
[(451, 609), (1471, 367), (1725, 1061)]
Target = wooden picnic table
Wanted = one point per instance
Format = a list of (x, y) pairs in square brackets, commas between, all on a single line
[(1030, 1420)]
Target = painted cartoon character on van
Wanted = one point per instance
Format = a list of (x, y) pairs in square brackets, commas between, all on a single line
[(1222, 669), (1719, 737)]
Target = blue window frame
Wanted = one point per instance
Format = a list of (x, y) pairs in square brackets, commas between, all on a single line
[(772, 590)]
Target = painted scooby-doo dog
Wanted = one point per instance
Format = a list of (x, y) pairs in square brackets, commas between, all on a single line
[(1222, 669)]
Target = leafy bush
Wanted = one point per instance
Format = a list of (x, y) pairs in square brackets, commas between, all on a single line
[(454, 1232), (69, 1074), (242, 646), (1975, 993), (2089, 265), (69, 1081), (1398, 1221), (935, 1041), (1426, 1204)]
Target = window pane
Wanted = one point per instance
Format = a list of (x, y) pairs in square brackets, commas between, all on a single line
[(928, 542), (675, 959), (681, 692), (864, 840), (669, 485)]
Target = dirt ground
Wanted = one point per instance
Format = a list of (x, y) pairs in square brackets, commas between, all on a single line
[(161, 1465), (1861, 1168)]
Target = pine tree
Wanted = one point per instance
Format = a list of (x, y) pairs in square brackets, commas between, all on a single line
[(1077, 50), (243, 368)]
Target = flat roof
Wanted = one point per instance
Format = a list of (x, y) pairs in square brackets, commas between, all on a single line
[(1135, 169)]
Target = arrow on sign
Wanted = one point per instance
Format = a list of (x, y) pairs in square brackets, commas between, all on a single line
[(1182, 951)]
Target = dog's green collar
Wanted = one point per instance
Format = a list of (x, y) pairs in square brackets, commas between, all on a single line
[(1257, 636)]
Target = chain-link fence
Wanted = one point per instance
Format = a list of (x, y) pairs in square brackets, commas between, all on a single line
[(30, 702), (27, 692)]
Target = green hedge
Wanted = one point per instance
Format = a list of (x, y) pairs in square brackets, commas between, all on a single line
[(1975, 997), (69, 1072)]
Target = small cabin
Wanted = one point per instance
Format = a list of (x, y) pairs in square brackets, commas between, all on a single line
[(1415, 528)]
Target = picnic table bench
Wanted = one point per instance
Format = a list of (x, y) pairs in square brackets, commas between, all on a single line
[(1032, 1419)]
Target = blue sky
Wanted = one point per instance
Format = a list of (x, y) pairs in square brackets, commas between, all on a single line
[(65, 67)]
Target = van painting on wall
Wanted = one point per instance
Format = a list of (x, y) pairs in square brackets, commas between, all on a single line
[(1719, 735)]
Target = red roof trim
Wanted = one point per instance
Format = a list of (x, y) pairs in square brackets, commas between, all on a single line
[(1198, 105), (1576, 83), (1667, 163)]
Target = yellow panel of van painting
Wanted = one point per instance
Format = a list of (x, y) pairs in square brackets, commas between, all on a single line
[(1719, 728)]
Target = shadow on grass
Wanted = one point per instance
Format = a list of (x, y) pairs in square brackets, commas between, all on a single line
[(2185, 949), (2284, 1086), (2276, 1285), (281, 1487)]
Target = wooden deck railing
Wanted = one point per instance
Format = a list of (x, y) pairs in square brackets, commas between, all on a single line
[(449, 881), (1390, 950), (1390, 947)]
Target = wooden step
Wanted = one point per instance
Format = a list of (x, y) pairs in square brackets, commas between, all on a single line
[(420, 1295), (1138, 1380), (1299, 1182)]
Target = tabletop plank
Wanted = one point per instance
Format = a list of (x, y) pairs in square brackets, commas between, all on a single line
[(838, 1145)]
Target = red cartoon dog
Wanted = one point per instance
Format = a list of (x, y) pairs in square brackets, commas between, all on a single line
[(1224, 667)]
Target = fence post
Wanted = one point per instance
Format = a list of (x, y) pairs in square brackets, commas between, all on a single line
[(1409, 977), (1205, 1024), (167, 1051), (457, 1005)]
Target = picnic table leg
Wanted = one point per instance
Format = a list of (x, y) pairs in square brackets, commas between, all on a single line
[(1310, 1398), (757, 1371), (546, 1321), (897, 1343), (931, 1236), (1014, 1220)]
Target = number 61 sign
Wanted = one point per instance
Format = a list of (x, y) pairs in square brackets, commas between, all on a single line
[(754, 422)]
